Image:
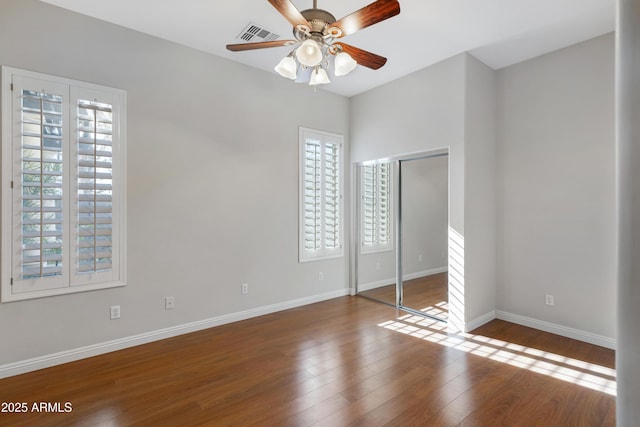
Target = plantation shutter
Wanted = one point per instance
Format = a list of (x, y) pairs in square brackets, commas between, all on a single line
[(94, 190), (369, 215), (312, 182), (384, 205), (39, 182), (321, 195), (376, 227), (332, 196), (63, 188)]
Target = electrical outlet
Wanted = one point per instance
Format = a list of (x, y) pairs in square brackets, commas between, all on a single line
[(169, 303), (115, 312), (548, 299), (244, 288), (321, 276), (377, 265), (420, 258)]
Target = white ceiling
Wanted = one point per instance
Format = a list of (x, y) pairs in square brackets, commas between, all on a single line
[(498, 32)]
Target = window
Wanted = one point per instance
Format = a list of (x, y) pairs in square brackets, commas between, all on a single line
[(320, 195), (376, 208), (63, 213)]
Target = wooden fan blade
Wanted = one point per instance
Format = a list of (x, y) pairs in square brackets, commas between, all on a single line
[(375, 12), (259, 45), (291, 14), (362, 57)]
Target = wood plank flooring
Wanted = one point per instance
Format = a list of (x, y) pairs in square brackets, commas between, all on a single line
[(428, 294), (344, 362)]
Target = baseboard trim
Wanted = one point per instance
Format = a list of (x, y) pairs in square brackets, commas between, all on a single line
[(391, 281), (424, 273), (66, 356), (479, 321), (553, 328), (374, 285)]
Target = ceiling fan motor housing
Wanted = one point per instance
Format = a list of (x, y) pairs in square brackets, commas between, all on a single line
[(318, 19)]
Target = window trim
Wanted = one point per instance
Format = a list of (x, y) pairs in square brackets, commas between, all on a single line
[(6, 176), (324, 253)]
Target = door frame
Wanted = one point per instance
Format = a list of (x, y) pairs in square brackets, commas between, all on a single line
[(397, 211)]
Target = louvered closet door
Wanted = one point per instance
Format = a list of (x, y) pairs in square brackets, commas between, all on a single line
[(40, 182), (94, 257)]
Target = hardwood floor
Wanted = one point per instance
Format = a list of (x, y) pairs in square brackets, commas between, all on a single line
[(428, 294), (344, 362)]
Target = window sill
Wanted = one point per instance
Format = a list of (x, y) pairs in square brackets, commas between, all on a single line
[(22, 296)]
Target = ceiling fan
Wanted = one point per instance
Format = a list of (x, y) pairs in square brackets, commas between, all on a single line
[(317, 34)]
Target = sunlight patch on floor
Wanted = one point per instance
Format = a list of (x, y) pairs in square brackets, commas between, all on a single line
[(589, 375), (439, 310)]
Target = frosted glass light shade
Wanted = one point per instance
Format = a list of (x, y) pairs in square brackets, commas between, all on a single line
[(287, 68), (344, 64), (319, 77), (309, 53)]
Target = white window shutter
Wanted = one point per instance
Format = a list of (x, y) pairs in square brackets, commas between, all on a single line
[(384, 205), (332, 197), (39, 182), (376, 222), (312, 194), (63, 192), (95, 253), (321, 222), (368, 208)]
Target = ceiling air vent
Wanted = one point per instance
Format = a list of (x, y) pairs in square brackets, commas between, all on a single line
[(255, 33)]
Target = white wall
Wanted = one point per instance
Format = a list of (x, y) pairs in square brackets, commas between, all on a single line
[(628, 212), (423, 111), (480, 192), (376, 269), (556, 194), (212, 181)]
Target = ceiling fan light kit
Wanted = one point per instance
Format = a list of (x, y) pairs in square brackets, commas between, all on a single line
[(309, 53), (344, 64), (316, 32), (319, 77), (287, 67)]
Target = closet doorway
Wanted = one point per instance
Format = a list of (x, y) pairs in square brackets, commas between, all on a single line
[(402, 214)]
